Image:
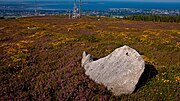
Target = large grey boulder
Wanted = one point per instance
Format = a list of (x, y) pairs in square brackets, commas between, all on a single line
[(119, 71)]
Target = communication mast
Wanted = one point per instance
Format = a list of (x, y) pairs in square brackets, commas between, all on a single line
[(35, 7), (80, 8), (75, 10), (69, 14)]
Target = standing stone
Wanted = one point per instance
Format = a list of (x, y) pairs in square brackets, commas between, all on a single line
[(119, 71)]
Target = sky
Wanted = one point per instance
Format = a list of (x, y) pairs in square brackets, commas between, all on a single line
[(104, 0), (140, 0)]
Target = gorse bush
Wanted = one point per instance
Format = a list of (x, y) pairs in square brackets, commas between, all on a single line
[(154, 18), (89, 38)]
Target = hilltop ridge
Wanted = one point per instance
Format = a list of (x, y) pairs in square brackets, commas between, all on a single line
[(40, 57)]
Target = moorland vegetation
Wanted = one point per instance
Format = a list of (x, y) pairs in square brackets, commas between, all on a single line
[(40, 57)]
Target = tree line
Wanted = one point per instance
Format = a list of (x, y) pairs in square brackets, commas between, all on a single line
[(154, 18)]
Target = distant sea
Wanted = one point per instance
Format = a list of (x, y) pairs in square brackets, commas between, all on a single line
[(106, 5)]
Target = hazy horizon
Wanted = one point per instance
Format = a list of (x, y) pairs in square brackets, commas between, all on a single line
[(103, 0)]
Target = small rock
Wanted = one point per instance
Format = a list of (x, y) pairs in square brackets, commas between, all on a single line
[(120, 71)]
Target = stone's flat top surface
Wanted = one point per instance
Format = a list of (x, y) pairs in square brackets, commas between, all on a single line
[(119, 71)]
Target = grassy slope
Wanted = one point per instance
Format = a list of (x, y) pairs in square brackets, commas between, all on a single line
[(40, 57)]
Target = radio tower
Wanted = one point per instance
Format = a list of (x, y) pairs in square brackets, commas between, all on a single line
[(80, 8), (35, 7), (75, 10)]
